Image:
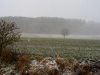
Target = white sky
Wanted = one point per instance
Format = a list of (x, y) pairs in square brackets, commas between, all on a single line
[(81, 9)]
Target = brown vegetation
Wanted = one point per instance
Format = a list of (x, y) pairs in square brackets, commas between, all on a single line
[(58, 66), (22, 62), (8, 56)]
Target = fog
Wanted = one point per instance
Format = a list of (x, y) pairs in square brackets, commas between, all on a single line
[(77, 9), (80, 17)]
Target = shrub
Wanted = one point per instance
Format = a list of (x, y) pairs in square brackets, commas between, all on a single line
[(9, 34)]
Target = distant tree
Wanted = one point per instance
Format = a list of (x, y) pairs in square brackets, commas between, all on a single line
[(8, 34), (64, 32)]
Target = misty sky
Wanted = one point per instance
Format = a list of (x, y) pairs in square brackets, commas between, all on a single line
[(80, 9)]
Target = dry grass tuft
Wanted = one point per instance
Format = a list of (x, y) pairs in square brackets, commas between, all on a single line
[(53, 71), (37, 70), (63, 64), (22, 62), (84, 69), (8, 56)]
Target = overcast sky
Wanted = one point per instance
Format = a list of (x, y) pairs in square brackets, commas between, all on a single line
[(80, 9)]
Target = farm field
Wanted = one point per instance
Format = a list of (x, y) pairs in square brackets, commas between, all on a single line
[(77, 48)]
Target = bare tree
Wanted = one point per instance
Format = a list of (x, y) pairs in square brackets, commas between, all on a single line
[(64, 32), (8, 34)]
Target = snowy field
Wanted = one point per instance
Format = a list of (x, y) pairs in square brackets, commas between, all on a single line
[(30, 35)]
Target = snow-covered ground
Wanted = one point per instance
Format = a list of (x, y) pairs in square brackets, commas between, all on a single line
[(30, 35)]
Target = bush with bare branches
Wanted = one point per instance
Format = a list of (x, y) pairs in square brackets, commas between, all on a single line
[(8, 34)]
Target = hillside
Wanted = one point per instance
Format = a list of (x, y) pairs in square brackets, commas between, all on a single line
[(54, 25)]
